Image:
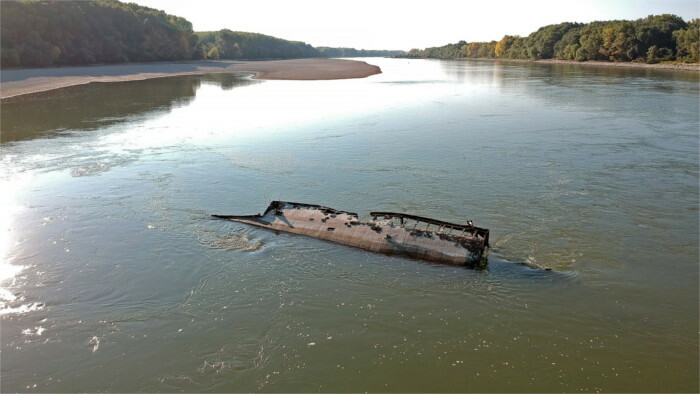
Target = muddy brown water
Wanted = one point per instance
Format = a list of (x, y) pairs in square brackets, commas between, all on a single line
[(114, 278)]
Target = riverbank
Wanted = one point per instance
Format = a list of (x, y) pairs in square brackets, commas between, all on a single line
[(26, 81), (657, 66)]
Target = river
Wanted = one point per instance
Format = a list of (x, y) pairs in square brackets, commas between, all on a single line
[(115, 278)]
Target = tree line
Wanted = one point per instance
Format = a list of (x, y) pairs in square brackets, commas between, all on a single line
[(227, 44), (352, 52), (54, 33), (38, 33), (653, 39)]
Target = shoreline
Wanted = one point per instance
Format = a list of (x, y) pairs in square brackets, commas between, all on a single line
[(18, 82), (657, 66), (593, 63)]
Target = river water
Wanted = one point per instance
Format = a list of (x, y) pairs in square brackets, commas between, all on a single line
[(114, 277)]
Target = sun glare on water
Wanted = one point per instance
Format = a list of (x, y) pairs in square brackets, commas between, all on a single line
[(11, 188)]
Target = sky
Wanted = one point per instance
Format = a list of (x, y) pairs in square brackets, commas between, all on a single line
[(391, 24)]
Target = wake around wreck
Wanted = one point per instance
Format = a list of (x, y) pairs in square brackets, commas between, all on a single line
[(388, 233)]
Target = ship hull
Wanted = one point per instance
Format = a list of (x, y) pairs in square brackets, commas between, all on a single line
[(389, 234)]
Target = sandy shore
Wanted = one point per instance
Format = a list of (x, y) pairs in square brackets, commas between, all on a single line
[(26, 81)]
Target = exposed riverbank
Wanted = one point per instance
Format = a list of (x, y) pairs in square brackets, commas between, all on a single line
[(26, 81)]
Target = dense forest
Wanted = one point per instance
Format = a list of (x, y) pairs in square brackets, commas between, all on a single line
[(352, 52), (653, 39), (38, 33), (227, 44), (53, 33)]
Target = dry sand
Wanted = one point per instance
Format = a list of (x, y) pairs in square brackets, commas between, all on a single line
[(26, 81)]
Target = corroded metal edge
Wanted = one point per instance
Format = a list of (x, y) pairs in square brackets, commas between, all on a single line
[(387, 233)]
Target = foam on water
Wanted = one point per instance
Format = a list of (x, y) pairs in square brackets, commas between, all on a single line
[(8, 309), (235, 241), (34, 332)]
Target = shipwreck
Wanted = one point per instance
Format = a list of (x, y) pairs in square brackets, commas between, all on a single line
[(388, 233)]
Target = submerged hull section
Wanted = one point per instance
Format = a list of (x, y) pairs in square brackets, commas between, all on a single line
[(388, 233)]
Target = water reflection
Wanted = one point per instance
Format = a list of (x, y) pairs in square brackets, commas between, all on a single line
[(78, 108), (511, 75), (485, 73), (97, 105)]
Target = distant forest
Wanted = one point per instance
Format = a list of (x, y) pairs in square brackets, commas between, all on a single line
[(55, 33), (227, 44), (654, 39)]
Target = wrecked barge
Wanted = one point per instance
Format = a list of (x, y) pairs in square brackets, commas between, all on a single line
[(389, 233)]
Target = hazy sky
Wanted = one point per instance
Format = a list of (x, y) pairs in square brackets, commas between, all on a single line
[(384, 24)]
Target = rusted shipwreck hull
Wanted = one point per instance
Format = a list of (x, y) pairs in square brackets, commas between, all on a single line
[(388, 232)]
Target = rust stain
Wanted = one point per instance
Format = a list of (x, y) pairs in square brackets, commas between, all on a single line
[(389, 233)]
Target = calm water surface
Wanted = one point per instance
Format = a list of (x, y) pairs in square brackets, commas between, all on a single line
[(114, 278)]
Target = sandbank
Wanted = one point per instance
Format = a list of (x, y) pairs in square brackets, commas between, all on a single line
[(17, 82)]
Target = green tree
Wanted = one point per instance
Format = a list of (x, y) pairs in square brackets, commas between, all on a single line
[(540, 44), (502, 47), (45, 33), (688, 42), (241, 45), (619, 41)]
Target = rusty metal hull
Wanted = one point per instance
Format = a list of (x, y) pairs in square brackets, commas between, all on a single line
[(388, 233)]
